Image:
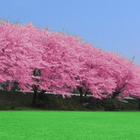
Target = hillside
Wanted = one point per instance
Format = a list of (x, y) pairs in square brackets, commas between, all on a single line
[(18, 101)]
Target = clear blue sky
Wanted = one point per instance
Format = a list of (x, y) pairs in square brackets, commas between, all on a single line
[(112, 25)]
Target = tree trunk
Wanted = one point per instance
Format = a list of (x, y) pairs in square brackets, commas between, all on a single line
[(115, 94), (81, 94), (34, 96), (40, 99), (86, 93), (41, 94)]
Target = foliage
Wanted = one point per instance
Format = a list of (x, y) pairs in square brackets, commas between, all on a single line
[(64, 64)]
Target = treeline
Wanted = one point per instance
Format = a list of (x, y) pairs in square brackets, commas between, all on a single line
[(41, 60)]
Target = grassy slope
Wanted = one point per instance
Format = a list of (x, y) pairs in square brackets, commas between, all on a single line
[(60, 125)]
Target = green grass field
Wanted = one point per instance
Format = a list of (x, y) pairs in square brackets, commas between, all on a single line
[(69, 125)]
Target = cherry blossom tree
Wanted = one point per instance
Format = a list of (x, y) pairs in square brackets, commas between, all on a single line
[(25, 49), (126, 74), (56, 62), (95, 77), (109, 75)]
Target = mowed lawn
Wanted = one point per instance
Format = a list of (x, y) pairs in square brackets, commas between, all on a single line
[(69, 125)]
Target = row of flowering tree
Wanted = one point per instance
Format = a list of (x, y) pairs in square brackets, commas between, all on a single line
[(50, 61)]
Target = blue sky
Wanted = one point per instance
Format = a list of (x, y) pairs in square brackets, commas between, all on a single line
[(112, 25)]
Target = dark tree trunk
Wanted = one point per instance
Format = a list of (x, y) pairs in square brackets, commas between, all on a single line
[(115, 94), (34, 96), (40, 98), (86, 93), (81, 94), (41, 95)]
